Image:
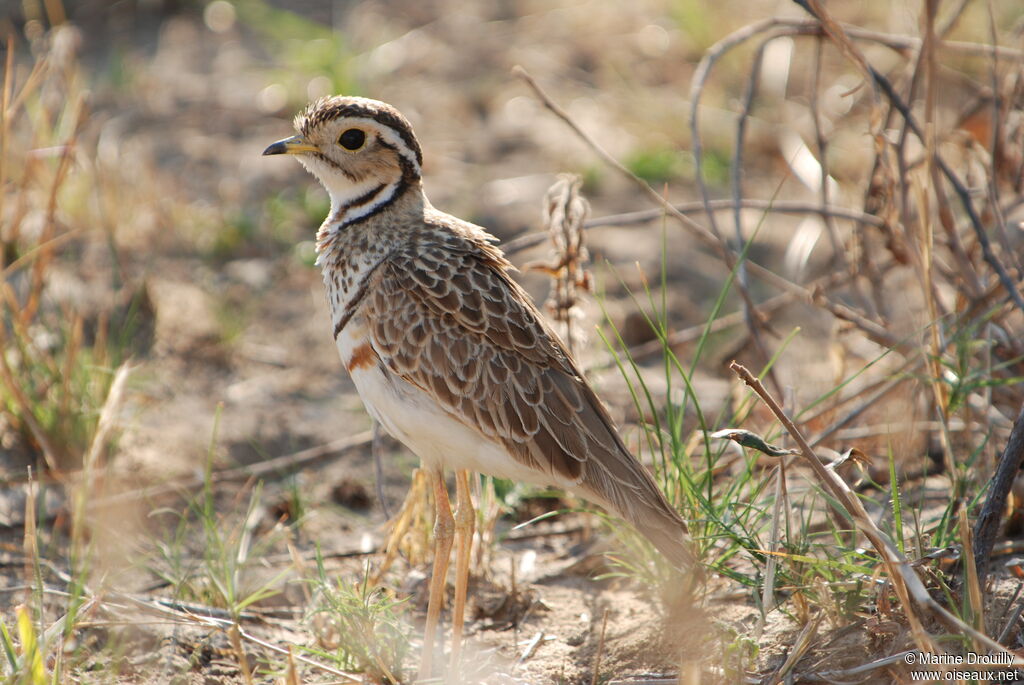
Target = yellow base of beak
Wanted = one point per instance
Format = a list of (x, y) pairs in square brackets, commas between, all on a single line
[(295, 145)]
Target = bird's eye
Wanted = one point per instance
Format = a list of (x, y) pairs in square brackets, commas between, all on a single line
[(352, 139)]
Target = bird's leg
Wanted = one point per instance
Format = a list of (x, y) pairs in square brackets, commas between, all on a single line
[(412, 508), (465, 518), (444, 527)]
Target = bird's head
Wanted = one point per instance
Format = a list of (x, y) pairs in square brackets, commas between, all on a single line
[(354, 146)]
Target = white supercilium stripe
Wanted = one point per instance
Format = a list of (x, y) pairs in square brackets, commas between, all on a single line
[(389, 136)]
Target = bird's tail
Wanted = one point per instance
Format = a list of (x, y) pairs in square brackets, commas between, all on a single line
[(613, 477), (632, 494), (666, 530)]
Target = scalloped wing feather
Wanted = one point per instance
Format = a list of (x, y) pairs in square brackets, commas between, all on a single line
[(445, 316)]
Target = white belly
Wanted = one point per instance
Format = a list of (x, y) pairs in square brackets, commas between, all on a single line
[(414, 418)]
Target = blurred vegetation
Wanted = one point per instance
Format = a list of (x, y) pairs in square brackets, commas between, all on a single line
[(57, 363), (922, 378)]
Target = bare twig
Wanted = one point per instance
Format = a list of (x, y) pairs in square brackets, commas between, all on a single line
[(885, 87), (705, 236), (988, 520), (528, 240), (377, 447), (276, 465), (905, 581), (803, 642), (726, 205), (243, 661), (600, 649), (750, 315), (874, 331)]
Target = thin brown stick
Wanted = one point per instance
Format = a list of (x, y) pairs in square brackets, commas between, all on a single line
[(874, 331), (600, 649), (987, 525), (750, 314), (970, 576), (528, 240), (727, 205), (654, 347), (885, 87), (286, 462), (705, 236), (243, 660), (905, 581)]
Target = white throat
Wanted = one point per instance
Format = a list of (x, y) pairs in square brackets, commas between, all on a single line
[(344, 192), (350, 201)]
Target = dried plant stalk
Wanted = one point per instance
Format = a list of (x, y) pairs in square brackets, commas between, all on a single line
[(565, 210), (905, 581)]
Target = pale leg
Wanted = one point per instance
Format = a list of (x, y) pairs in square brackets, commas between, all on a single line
[(465, 519), (444, 526), (403, 521)]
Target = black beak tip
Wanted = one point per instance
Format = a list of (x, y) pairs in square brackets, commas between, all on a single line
[(277, 148)]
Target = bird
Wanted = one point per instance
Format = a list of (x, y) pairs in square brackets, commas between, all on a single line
[(449, 353)]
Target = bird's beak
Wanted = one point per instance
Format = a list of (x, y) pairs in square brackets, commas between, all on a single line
[(290, 146)]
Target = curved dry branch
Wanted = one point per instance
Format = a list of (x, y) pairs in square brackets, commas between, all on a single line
[(905, 581)]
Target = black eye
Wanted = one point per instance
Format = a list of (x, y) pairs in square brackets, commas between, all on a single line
[(352, 139)]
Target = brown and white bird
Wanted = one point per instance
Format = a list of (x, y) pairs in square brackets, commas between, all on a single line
[(448, 352)]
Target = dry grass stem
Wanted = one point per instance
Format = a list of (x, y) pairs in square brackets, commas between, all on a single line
[(600, 649), (905, 581), (565, 210), (987, 524)]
